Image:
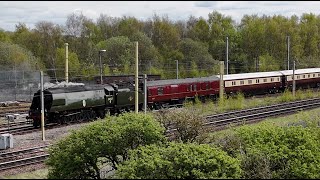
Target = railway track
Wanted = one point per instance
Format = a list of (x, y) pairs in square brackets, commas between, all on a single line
[(16, 159), (212, 121), (18, 130), (20, 108), (14, 124), (221, 121)]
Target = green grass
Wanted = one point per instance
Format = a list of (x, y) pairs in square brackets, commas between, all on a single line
[(239, 102), (310, 117)]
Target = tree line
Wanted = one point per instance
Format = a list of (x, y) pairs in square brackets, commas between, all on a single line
[(257, 43)]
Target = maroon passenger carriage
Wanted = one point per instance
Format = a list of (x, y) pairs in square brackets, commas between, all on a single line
[(253, 83), (271, 82), (304, 78), (163, 93)]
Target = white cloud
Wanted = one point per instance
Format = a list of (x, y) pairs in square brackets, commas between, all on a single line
[(31, 12)]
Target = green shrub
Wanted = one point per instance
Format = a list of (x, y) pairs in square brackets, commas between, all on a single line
[(286, 96), (179, 161), (85, 151), (187, 121), (269, 151)]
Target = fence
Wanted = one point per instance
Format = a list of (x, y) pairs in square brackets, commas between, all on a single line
[(18, 85)]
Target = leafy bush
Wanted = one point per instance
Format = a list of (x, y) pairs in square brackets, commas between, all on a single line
[(233, 102), (86, 151), (179, 161), (286, 96), (187, 121), (269, 151)]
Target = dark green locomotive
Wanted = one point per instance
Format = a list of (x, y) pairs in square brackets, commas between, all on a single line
[(77, 103)]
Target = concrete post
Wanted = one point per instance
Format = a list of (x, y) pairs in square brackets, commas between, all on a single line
[(137, 81), (221, 89), (42, 106), (67, 65)]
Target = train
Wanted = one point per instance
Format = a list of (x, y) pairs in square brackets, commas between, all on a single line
[(76, 103)]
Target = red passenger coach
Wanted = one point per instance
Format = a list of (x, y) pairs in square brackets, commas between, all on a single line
[(175, 91)]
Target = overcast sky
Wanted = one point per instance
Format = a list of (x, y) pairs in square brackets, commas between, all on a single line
[(31, 12)]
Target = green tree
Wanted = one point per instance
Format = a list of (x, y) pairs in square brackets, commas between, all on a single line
[(179, 161), (200, 31), (119, 51), (148, 53), (82, 34), (128, 26), (196, 56), (220, 27), (88, 71), (107, 142), (49, 37), (73, 64), (4, 36), (107, 26), (268, 63), (13, 56), (252, 30)]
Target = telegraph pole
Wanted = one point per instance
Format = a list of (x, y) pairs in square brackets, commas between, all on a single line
[(136, 83), (150, 67), (177, 67), (227, 54), (221, 89), (288, 40), (294, 80), (42, 106), (145, 94), (67, 65)]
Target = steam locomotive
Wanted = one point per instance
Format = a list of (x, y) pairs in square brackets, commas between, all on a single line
[(89, 102), (77, 103)]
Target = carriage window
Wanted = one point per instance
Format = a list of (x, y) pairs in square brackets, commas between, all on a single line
[(190, 87), (314, 75), (249, 81), (264, 80), (257, 80), (160, 90), (319, 75), (195, 87), (271, 79), (278, 79), (241, 82), (233, 83), (298, 77), (304, 76), (308, 75)]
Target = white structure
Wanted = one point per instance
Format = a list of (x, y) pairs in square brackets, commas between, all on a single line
[(6, 141)]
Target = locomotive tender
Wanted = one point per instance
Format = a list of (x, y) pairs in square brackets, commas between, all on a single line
[(78, 103)]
